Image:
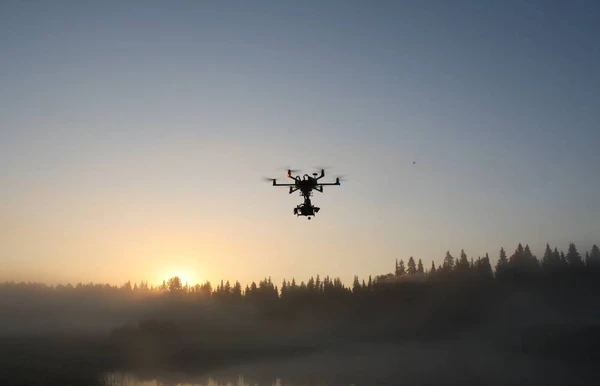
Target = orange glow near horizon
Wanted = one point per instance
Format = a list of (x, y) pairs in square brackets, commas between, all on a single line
[(187, 277)]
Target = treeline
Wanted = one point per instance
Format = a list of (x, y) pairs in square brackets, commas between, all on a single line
[(520, 266)]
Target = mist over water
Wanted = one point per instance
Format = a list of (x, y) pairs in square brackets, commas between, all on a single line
[(452, 363), (525, 322)]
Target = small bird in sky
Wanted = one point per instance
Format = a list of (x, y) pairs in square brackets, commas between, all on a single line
[(414, 162)]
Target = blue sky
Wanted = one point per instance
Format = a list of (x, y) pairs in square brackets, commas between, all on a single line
[(128, 128)]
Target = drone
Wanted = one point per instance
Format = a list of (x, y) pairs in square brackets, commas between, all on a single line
[(306, 185)]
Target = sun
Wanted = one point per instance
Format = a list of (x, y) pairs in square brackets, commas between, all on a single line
[(185, 276)]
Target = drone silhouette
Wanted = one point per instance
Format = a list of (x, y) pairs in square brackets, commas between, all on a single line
[(306, 185)]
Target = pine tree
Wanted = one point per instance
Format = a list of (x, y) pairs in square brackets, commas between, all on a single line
[(463, 263), (236, 292), (412, 268), (531, 263), (556, 255), (587, 257), (518, 256), (356, 285), (448, 262), (432, 268), (502, 264), (401, 269), (310, 286), (547, 260), (527, 252), (594, 259), (420, 269), (485, 268), (573, 257)]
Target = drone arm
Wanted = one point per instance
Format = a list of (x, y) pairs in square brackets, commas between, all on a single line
[(337, 182), (322, 174)]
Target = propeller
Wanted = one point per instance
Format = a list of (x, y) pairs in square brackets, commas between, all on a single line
[(342, 178), (286, 168), (268, 179), (319, 168)]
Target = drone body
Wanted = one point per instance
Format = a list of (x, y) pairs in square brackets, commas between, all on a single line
[(306, 185)]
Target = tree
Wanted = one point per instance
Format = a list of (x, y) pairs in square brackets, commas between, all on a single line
[(587, 257), (310, 285), (401, 270), (236, 292), (573, 257), (527, 252), (518, 256), (502, 264), (556, 255), (284, 288), (448, 262), (420, 269), (356, 285), (484, 268), (206, 289), (548, 260), (412, 268), (144, 286), (593, 260), (463, 263), (432, 270), (174, 284), (530, 262), (522, 262)]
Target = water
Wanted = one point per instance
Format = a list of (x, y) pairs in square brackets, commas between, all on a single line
[(451, 363), (128, 379)]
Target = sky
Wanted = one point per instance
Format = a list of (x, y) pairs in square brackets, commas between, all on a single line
[(134, 135)]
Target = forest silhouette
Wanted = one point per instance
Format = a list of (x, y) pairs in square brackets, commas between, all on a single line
[(545, 307)]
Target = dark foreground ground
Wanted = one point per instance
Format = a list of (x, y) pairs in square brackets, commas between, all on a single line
[(557, 356)]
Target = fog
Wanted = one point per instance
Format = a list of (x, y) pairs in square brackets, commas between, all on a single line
[(452, 327)]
